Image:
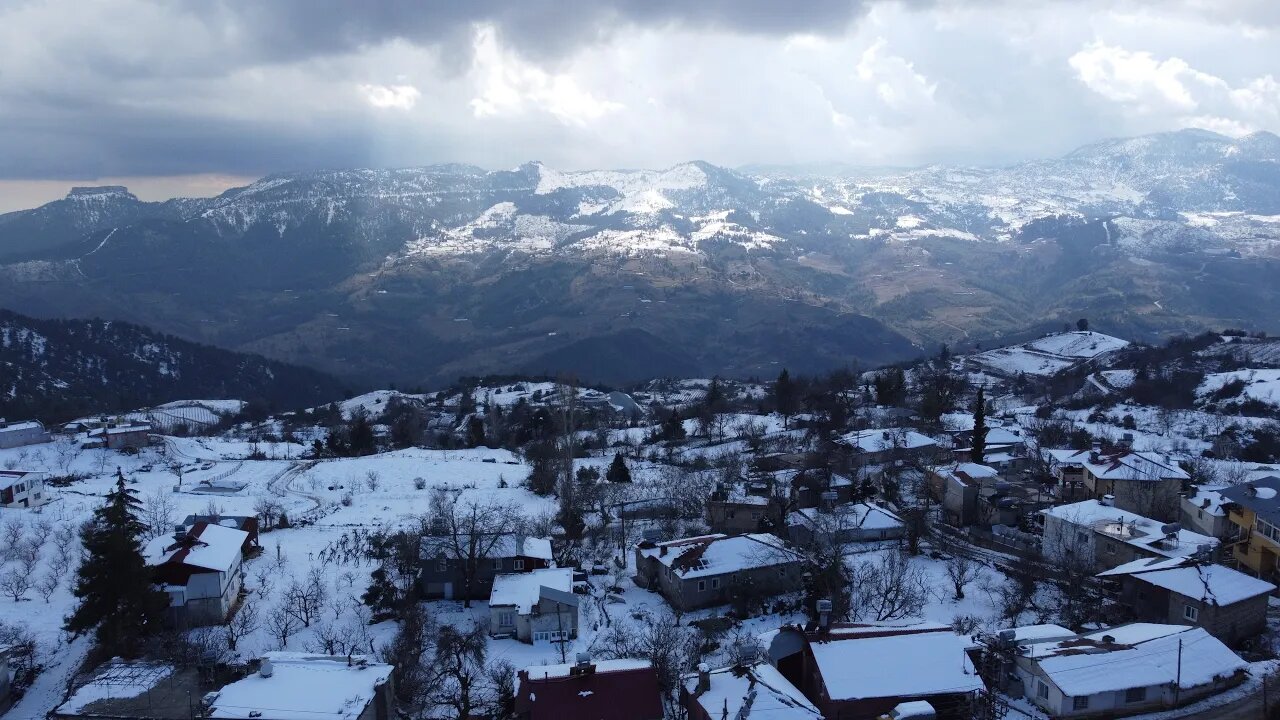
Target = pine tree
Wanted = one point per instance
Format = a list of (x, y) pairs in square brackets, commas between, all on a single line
[(978, 448), (618, 472), (786, 396), (114, 582)]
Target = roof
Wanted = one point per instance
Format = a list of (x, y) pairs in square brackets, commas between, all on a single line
[(506, 546), (9, 478), (21, 425), (914, 709), (1131, 528), (523, 590), (968, 472), (1262, 496), (212, 547), (618, 690), (1209, 500), (1213, 584), (879, 440), (1121, 464), (1138, 655), (844, 517), (127, 429), (303, 687), (1039, 632), (718, 554), (760, 688), (905, 663)]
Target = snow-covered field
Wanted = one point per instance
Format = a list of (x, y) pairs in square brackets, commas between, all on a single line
[(1048, 355)]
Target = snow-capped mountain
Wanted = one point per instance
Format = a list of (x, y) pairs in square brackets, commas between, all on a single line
[(707, 268)]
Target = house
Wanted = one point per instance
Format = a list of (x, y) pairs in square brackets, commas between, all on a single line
[(1125, 670), (301, 686), (1141, 482), (1253, 509), (22, 488), (533, 607), (887, 445), (18, 434), (732, 509), (814, 487), (709, 570), (130, 437), (1005, 448), (200, 571), (614, 689), (854, 522), (1232, 606), (448, 560), (757, 690), (1101, 536), (859, 672), (956, 488), (1202, 511), (247, 523)]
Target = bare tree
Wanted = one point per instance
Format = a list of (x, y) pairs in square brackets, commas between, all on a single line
[(962, 570), (13, 533), (282, 625), (47, 585), (268, 510), (468, 534), (15, 583), (158, 513), (372, 480), (305, 600), (244, 623), (889, 589), (459, 670)]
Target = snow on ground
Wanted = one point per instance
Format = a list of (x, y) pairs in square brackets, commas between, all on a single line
[(1261, 384), (1048, 355)]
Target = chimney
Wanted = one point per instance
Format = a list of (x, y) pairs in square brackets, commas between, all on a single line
[(1107, 500), (662, 550), (704, 679)]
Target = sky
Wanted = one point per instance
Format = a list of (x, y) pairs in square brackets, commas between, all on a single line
[(190, 97)]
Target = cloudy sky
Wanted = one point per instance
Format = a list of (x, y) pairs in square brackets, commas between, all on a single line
[(192, 96)]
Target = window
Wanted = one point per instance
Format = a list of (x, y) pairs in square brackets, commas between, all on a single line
[(1082, 537), (755, 516), (1135, 695), (519, 564), (1080, 702), (497, 564), (730, 514), (1042, 690), (702, 585), (442, 565), (550, 636), (715, 583), (506, 618), (1268, 530), (1190, 612)]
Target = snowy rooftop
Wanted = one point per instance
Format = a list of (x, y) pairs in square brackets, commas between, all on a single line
[(967, 472), (1029, 633), (775, 697), (1262, 496), (522, 590), (718, 554), (303, 687), (842, 517), (879, 440), (1084, 344), (902, 665), (22, 425), (1209, 500), (9, 478), (1121, 465), (215, 547), (509, 545), (1130, 527), (1139, 655), (1208, 583)]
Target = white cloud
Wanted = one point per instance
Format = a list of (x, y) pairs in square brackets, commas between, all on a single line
[(1172, 89), (896, 82), (398, 97), (510, 86)]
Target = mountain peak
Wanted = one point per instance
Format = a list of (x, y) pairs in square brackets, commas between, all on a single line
[(100, 191)]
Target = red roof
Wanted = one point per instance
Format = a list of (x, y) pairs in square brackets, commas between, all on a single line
[(631, 694)]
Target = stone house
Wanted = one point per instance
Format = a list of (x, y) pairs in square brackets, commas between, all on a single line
[(717, 569), (1140, 482), (1230, 605), (1101, 536), (1203, 511)]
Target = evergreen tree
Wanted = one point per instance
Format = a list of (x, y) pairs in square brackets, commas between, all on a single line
[(978, 448), (618, 471), (475, 432), (114, 582), (786, 396)]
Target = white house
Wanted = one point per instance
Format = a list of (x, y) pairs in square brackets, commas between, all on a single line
[(22, 488), (200, 571), (1125, 670), (17, 434), (537, 606), (1099, 535)]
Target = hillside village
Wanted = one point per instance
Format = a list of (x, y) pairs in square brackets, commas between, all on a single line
[(1077, 526)]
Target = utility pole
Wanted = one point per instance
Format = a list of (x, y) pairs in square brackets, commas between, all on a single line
[(1177, 683)]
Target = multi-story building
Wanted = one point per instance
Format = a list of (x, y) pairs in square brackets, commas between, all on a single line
[(1253, 509)]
